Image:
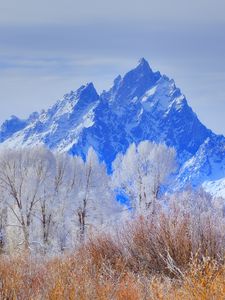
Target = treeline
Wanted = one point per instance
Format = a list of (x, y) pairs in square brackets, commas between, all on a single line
[(52, 202)]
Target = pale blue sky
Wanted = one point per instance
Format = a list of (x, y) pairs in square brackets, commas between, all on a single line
[(48, 48)]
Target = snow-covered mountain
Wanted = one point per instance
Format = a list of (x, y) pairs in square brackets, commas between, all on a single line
[(140, 105)]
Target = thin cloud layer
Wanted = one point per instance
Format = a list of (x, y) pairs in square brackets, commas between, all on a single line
[(47, 50)]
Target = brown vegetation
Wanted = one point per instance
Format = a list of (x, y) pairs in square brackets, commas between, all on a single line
[(161, 258)]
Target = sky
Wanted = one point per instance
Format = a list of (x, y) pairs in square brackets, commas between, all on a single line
[(50, 47)]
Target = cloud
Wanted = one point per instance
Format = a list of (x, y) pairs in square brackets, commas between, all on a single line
[(46, 50)]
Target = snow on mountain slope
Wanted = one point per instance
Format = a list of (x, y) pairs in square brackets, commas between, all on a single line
[(61, 125), (9, 127), (215, 188), (140, 105), (14, 124), (208, 163)]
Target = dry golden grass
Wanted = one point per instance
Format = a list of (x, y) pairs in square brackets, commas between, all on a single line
[(147, 260)]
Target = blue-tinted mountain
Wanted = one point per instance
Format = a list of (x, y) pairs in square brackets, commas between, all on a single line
[(141, 105)]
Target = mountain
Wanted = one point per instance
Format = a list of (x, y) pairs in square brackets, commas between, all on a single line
[(141, 105), (9, 127)]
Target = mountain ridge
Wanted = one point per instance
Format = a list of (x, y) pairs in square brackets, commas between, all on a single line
[(142, 104)]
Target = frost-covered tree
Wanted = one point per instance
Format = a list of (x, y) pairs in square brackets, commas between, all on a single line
[(22, 176), (94, 203), (142, 171), (205, 216), (50, 201), (67, 183), (3, 220), (44, 169)]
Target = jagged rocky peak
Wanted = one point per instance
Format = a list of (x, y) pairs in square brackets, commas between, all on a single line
[(33, 117), (85, 96), (133, 84), (10, 126), (73, 102), (13, 121), (87, 91), (143, 65), (141, 73)]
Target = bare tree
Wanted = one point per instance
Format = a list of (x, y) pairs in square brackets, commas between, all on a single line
[(46, 194), (22, 176), (3, 220), (94, 202), (141, 172), (44, 168)]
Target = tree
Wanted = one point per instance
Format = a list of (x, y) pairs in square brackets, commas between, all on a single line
[(3, 220), (22, 176), (142, 171), (44, 170), (47, 197), (67, 184), (94, 200)]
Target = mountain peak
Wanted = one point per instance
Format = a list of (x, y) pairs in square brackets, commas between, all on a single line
[(143, 62), (87, 87), (142, 72), (90, 85), (10, 126), (134, 83), (87, 91), (143, 67)]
